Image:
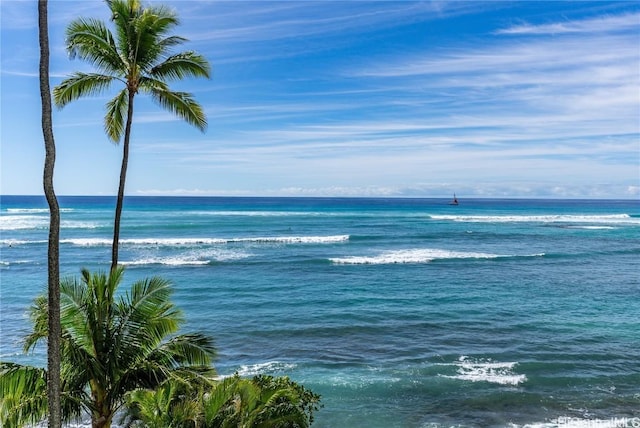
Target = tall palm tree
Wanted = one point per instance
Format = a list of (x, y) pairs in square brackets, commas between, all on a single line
[(53, 252), (110, 346), (139, 57)]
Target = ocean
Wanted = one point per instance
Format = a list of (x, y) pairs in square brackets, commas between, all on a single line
[(399, 312)]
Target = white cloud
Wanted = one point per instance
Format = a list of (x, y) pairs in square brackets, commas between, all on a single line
[(629, 21)]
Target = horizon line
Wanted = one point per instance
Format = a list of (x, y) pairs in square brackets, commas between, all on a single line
[(475, 197)]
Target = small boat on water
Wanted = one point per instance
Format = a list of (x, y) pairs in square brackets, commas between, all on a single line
[(454, 201)]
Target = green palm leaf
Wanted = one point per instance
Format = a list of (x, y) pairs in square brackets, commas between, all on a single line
[(179, 66), (80, 85), (194, 350), (39, 316), (181, 104), (24, 395), (171, 41), (116, 115), (91, 40)]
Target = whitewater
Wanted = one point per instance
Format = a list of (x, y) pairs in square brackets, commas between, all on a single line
[(399, 312)]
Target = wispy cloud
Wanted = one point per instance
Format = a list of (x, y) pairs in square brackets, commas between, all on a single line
[(540, 90), (264, 31), (264, 21), (504, 59), (602, 24)]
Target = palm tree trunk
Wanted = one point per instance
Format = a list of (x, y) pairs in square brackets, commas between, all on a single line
[(123, 178), (102, 420), (53, 258)]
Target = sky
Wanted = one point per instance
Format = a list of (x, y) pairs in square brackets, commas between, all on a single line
[(351, 98)]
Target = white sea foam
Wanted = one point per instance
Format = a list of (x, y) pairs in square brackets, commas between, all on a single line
[(164, 242), (564, 218), (195, 257), (73, 224), (481, 370), (191, 258), (36, 210), (356, 379), (16, 242), (416, 255), (87, 242), (167, 261), (575, 422), (592, 227), (20, 222), (15, 262), (187, 242), (237, 213), (190, 242), (270, 367), (296, 239)]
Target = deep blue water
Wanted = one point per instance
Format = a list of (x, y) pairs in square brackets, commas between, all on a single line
[(399, 312)]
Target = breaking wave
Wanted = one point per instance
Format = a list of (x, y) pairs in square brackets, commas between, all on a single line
[(419, 255), (481, 370), (192, 258), (563, 218), (577, 422), (270, 367), (36, 210), (190, 242), (25, 222)]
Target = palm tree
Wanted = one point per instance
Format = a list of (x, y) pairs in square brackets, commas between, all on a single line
[(138, 56), (53, 253), (171, 405), (110, 347), (261, 402), (234, 402)]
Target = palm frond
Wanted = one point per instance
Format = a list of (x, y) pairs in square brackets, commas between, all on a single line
[(170, 405), (179, 66), (145, 49), (181, 104), (73, 314), (171, 41), (100, 308), (192, 377), (23, 395), (148, 293), (229, 401), (155, 23), (146, 315), (189, 350), (123, 12), (39, 315), (285, 400), (92, 41), (141, 374), (140, 31), (80, 85), (114, 120)]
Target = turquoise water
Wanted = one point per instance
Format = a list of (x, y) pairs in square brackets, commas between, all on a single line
[(399, 312)]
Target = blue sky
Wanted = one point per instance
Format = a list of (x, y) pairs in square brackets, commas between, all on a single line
[(353, 98)]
